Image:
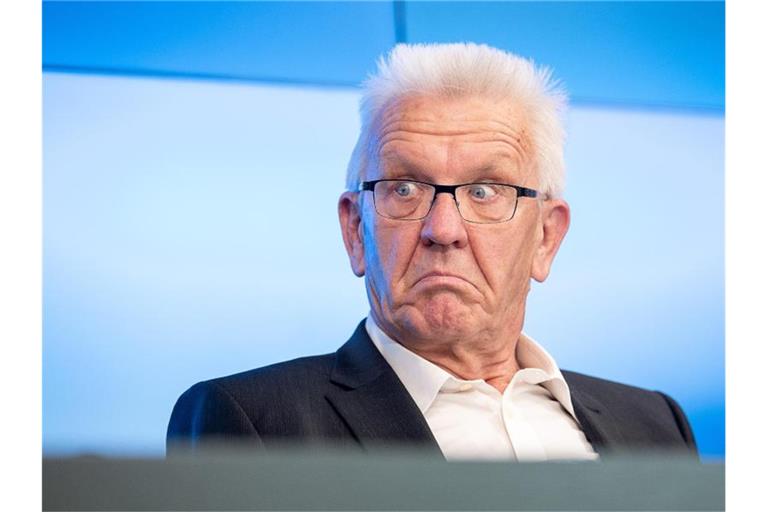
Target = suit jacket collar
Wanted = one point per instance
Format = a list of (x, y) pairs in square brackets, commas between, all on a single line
[(599, 425), (372, 401), (378, 409)]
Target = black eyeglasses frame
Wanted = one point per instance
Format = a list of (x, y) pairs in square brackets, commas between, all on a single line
[(451, 189)]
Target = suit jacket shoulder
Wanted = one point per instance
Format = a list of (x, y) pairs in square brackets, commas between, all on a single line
[(349, 398), (621, 417), (253, 405)]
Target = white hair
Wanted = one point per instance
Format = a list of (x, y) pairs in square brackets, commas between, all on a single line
[(464, 69)]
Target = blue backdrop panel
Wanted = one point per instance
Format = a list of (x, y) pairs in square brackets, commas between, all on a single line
[(648, 53), (652, 53), (318, 42)]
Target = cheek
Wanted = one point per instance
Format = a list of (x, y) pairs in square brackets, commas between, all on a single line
[(506, 259), (388, 252)]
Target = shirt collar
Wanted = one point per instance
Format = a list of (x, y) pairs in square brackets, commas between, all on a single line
[(424, 379)]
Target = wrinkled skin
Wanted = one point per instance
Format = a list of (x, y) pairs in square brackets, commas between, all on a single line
[(452, 291)]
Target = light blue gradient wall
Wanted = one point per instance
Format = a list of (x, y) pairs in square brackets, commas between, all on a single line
[(190, 231), (171, 254)]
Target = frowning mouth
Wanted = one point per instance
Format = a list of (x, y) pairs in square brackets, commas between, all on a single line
[(442, 278)]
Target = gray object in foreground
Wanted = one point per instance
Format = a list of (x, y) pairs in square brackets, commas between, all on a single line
[(293, 480)]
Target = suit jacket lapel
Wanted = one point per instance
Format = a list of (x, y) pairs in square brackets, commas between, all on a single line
[(600, 426), (373, 402)]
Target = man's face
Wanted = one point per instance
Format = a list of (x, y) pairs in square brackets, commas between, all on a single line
[(443, 278)]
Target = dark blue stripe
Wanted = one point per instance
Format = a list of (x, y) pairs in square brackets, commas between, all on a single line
[(661, 55)]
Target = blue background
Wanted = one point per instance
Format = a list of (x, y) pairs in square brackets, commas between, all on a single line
[(169, 257)]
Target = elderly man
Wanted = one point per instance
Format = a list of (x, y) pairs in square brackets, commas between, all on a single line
[(453, 204)]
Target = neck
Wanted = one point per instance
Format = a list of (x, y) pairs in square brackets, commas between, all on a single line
[(490, 356), (496, 366)]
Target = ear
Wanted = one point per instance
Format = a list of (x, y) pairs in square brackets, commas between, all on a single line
[(352, 231), (555, 217)]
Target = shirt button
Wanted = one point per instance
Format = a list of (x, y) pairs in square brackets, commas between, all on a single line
[(465, 387)]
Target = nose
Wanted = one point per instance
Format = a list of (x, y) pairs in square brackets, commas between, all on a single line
[(444, 224)]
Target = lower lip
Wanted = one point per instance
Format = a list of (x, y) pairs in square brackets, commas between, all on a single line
[(442, 280)]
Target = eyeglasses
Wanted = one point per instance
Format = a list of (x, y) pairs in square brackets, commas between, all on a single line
[(482, 203)]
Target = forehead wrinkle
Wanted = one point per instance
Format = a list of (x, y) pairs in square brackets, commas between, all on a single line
[(479, 126), (437, 116), (433, 115), (492, 161), (489, 162), (481, 131)]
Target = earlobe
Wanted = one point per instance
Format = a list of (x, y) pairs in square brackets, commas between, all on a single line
[(556, 217), (350, 219)]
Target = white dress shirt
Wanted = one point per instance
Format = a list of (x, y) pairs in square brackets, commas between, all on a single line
[(533, 420)]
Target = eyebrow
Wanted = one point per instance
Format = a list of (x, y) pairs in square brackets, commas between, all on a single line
[(406, 168)]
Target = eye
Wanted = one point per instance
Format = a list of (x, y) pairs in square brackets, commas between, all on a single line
[(404, 189), (481, 192)]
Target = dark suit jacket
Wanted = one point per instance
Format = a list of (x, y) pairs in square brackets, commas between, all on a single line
[(354, 398)]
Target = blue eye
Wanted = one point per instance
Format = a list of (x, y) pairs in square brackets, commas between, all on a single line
[(404, 189), (481, 192)]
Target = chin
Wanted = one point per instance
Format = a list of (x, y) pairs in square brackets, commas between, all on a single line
[(441, 316)]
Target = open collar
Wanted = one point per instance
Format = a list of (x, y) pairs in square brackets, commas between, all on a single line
[(376, 405)]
